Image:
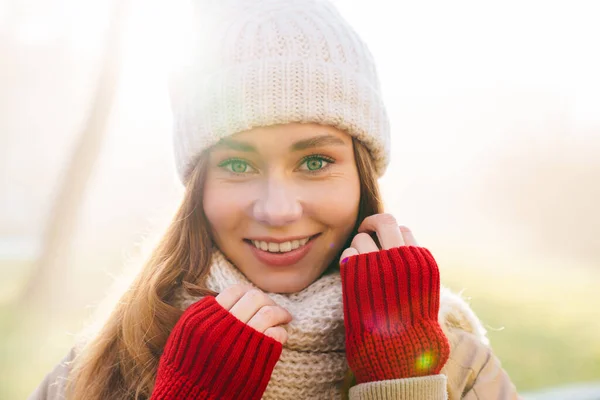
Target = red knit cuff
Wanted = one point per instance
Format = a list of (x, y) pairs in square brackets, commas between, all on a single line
[(215, 355), (401, 283), (391, 305)]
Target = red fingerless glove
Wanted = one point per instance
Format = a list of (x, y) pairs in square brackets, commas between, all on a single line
[(210, 354), (391, 304)]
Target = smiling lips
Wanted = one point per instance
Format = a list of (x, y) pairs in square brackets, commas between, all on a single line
[(281, 253), (284, 247)]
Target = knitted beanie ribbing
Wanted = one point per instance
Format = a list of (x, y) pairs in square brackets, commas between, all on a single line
[(268, 62)]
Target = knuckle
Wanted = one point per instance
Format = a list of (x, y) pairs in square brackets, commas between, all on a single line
[(270, 332), (283, 335), (387, 218), (362, 236), (288, 315), (237, 290), (254, 293), (256, 296), (267, 313), (347, 252), (277, 333)]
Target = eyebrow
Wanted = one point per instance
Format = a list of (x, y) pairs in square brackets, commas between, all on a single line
[(313, 142), (237, 145), (317, 141)]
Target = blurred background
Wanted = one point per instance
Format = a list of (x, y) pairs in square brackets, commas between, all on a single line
[(495, 111)]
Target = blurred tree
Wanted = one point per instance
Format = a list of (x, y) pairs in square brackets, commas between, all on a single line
[(40, 287)]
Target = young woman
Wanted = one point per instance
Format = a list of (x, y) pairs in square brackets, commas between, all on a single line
[(280, 277)]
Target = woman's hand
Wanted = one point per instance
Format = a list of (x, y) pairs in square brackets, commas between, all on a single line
[(391, 304), (223, 348), (389, 235), (256, 309)]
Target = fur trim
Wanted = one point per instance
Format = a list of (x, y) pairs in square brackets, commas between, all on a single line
[(455, 313)]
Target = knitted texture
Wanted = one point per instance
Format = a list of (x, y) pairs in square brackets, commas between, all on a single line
[(431, 387), (267, 62), (313, 362), (391, 305), (210, 354)]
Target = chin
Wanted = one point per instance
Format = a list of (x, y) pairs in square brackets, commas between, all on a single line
[(286, 285)]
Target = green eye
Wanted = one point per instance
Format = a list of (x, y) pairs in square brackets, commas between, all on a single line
[(235, 166), (316, 163), (238, 167)]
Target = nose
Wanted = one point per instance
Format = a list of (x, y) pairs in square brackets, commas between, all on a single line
[(277, 203)]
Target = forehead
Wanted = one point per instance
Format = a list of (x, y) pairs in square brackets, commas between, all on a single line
[(288, 137)]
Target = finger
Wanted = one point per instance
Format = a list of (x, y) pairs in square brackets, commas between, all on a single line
[(349, 252), (231, 295), (386, 228), (363, 243), (268, 317), (249, 305), (409, 239), (278, 333)]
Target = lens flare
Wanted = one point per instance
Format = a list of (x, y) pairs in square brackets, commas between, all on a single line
[(426, 362)]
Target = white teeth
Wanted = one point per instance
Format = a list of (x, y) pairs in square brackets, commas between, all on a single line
[(285, 247), (279, 247)]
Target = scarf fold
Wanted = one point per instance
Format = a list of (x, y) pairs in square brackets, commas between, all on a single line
[(313, 361)]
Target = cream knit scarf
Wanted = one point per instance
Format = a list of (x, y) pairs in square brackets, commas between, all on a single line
[(313, 362)]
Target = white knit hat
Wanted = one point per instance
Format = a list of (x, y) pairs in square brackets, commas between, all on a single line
[(266, 62)]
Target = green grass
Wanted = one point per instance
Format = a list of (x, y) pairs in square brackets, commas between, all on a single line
[(30, 346), (543, 325)]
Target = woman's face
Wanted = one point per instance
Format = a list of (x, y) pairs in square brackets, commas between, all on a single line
[(282, 201)]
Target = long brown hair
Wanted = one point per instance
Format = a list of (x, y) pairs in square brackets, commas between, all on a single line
[(120, 362)]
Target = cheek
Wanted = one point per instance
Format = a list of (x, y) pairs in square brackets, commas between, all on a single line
[(224, 207), (336, 202)]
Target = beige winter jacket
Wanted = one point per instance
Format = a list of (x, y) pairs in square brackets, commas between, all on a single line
[(472, 372)]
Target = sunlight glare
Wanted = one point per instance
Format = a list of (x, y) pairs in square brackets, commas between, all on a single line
[(160, 34), (157, 42)]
